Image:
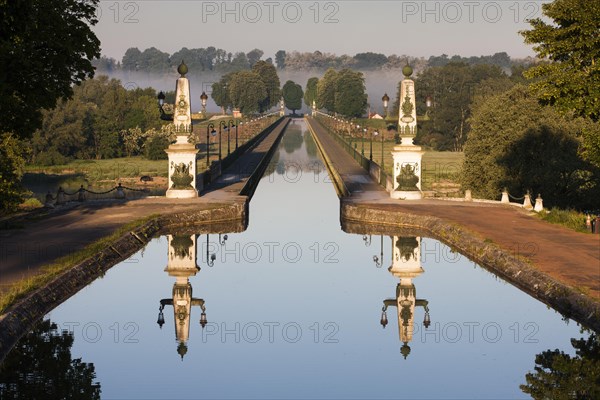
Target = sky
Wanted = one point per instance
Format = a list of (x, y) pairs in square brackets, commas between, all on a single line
[(415, 28)]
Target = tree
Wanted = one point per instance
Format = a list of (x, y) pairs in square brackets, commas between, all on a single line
[(310, 94), (268, 74), (220, 93), (246, 91), (11, 171), (571, 80), (560, 376), (253, 56), (292, 96), (350, 95), (518, 144), (451, 87), (280, 59), (41, 366), (46, 47), (369, 60), (326, 89)]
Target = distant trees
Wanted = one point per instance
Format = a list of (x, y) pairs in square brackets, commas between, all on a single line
[(342, 92), (310, 94), (350, 94), (246, 91), (292, 96), (280, 59), (268, 75)]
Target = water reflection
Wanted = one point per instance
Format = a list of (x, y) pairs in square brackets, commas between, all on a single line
[(182, 265), (406, 265), (41, 366), (560, 376)]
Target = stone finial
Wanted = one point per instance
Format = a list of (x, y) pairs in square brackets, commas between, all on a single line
[(539, 204), (182, 69), (527, 202), (505, 198), (407, 71), (468, 196)]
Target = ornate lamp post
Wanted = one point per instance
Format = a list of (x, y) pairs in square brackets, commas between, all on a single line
[(222, 124), (385, 100), (230, 125), (210, 130), (371, 145), (203, 99), (362, 142)]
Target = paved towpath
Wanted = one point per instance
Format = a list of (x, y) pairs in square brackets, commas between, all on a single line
[(570, 257)]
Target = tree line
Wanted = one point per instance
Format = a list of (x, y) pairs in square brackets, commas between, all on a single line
[(219, 60)]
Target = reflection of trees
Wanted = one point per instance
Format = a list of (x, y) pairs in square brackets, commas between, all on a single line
[(292, 140), (40, 367), (309, 144), (181, 246), (559, 376)]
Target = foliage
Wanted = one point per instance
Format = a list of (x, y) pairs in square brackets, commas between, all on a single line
[(280, 59), (571, 80), (350, 96), (89, 124), (518, 144), (292, 96), (571, 219), (11, 170), (369, 60), (498, 59), (310, 94), (220, 94), (452, 89), (326, 90), (268, 74), (561, 376), (41, 367), (45, 48), (247, 91), (157, 142)]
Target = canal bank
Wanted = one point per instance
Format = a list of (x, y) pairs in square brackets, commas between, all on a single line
[(49, 260), (558, 266)]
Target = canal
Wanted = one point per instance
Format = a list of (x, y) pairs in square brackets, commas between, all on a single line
[(290, 308)]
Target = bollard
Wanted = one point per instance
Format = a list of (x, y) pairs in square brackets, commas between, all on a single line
[(597, 225), (468, 196), (49, 199), (81, 194), (60, 196), (539, 204), (505, 198), (120, 194), (527, 202), (588, 223)]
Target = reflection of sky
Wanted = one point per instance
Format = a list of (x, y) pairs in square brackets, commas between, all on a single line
[(363, 360)]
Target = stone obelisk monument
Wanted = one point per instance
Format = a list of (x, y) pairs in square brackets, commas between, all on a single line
[(182, 155), (407, 156)]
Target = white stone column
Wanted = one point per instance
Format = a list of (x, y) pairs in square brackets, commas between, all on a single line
[(182, 155), (407, 157)]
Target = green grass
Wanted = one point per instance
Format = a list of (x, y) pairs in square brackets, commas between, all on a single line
[(571, 219), (25, 286), (109, 169)]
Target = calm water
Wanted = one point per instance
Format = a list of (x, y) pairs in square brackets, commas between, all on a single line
[(293, 308)]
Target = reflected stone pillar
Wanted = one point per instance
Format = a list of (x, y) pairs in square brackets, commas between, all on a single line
[(182, 155), (407, 157), (406, 265), (182, 265)]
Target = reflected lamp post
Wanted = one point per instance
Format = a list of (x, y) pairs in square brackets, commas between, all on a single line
[(378, 260), (210, 130), (210, 261)]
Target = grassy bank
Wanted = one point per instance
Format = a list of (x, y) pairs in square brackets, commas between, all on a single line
[(104, 170), (571, 219), (25, 286)]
